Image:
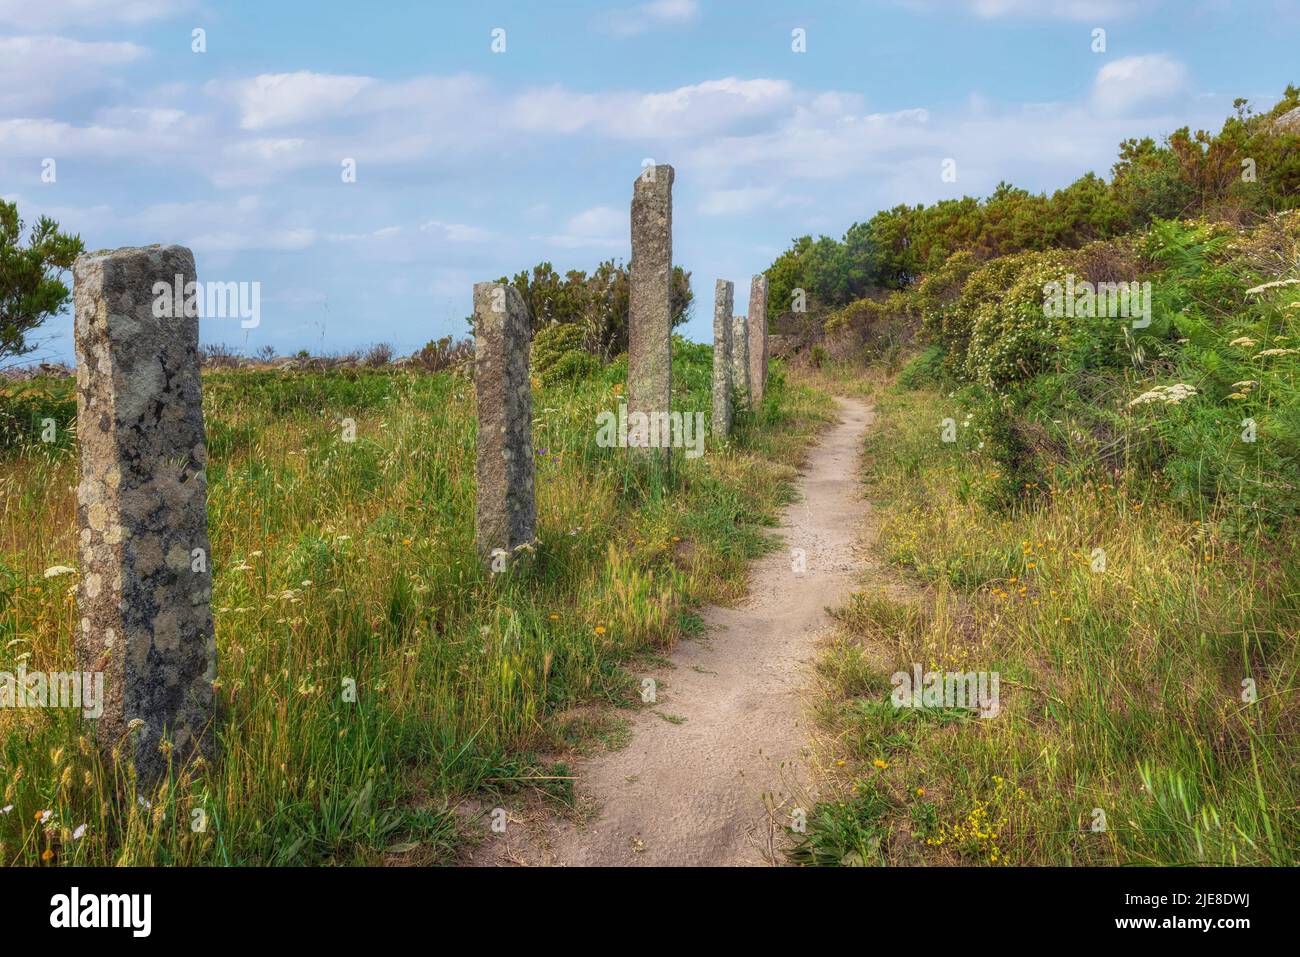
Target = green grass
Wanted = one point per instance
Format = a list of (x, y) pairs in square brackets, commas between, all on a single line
[(1121, 689), (340, 562)]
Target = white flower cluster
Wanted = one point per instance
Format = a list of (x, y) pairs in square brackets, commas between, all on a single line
[(1167, 394), (1272, 285)]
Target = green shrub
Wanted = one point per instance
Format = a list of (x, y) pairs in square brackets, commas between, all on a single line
[(925, 369), (27, 408), (558, 354), (1011, 336)]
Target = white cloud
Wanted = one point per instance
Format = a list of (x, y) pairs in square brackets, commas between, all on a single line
[(687, 111), (732, 202), (26, 15), (1078, 10), (229, 241), (456, 232), (636, 20), (1064, 9), (37, 71), (1127, 83), (602, 227), (279, 99), (384, 232)]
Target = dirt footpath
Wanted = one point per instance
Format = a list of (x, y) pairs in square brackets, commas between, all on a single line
[(715, 766)]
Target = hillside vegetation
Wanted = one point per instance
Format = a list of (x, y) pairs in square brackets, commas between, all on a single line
[(1100, 507)]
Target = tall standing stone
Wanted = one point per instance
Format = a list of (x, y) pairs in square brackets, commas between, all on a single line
[(145, 595), (649, 366), (506, 516), (740, 357), (757, 339), (723, 297)]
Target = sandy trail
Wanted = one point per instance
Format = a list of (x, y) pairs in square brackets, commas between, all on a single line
[(716, 788)]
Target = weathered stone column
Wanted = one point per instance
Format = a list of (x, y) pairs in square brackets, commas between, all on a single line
[(142, 517), (757, 339), (740, 358), (723, 296), (649, 359), (506, 518)]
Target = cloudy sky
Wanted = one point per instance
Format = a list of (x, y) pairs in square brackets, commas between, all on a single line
[(472, 163)]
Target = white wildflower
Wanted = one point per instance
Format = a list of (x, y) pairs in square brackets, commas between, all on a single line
[(1273, 285), (1167, 394)]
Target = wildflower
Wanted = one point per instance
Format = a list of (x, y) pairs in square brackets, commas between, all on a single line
[(43, 816), (79, 833), (1168, 394), (47, 855), (880, 764), (839, 763), (1245, 341), (1277, 352), (553, 617), (54, 571), (600, 629), (1272, 285), (920, 792), (6, 809)]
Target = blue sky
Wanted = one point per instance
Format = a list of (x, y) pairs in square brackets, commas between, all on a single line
[(472, 164)]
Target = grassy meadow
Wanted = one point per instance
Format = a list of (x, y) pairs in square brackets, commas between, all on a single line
[(1121, 679), (340, 561)]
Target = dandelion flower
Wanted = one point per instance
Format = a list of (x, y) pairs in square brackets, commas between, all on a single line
[(600, 629), (880, 764)]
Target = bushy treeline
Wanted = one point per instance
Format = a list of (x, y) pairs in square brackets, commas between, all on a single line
[(596, 303), (1170, 354), (1248, 169)]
